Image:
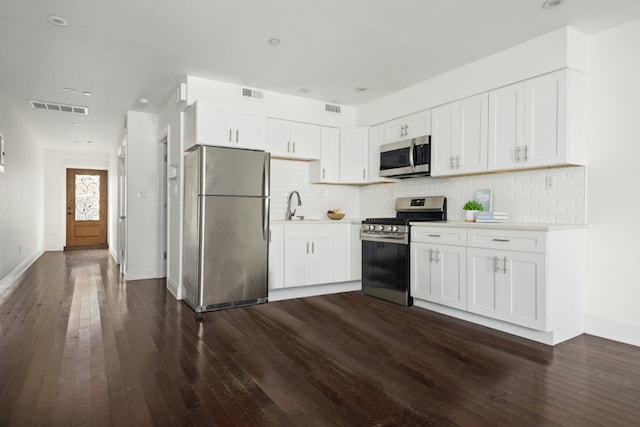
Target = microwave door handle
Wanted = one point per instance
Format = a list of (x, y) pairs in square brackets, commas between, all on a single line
[(412, 162)]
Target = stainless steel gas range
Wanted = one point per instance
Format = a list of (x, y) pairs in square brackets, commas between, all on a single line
[(386, 270)]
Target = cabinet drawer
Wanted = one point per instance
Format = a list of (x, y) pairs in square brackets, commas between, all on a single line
[(513, 240), (307, 231), (440, 235)]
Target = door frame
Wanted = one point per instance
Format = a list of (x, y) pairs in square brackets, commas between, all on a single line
[(163, 202)]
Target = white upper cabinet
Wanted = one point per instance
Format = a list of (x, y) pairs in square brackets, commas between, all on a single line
[(538, 122), (327, 169), (292, 140), (459, 137), (354, 158), (220, 125), (407, 127)]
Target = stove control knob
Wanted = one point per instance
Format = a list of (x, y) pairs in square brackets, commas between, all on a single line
[(381, 228), (395, 228), (372, 227)]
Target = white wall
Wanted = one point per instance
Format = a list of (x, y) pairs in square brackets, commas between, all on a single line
[(559, 49), (170, 119), (21, 194), (143, 192), (55, 179), (613, 184)]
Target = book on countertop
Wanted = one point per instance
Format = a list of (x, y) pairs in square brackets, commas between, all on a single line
[(492, 217)]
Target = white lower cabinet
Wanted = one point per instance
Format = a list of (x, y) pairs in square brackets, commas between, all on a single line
[(438, 274), (524, 281), (308, 254), (508, 286), (276, 257)]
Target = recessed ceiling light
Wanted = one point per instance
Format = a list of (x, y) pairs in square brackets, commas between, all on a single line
[(87, 93), (304, 90), (69, 90), (274, 42), (58, 21), (143, 101), (89, 142), (549, 4), (362, 88)]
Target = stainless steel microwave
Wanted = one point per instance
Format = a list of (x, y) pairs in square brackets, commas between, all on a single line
[(406, 159)]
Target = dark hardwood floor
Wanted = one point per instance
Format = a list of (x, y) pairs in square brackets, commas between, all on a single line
[(79, 346)]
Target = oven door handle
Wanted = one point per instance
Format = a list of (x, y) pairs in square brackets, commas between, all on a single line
[(412, 161), (396, 240)]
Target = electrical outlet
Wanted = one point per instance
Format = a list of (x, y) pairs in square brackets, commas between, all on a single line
[(550, 182)]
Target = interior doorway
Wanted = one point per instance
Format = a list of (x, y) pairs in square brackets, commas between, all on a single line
[(87, 201)]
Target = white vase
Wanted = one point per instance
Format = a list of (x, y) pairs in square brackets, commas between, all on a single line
[(470, 216)]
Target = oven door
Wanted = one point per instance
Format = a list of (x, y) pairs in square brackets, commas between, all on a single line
[(385, 269)]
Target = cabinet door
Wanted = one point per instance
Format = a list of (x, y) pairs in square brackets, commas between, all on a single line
[(320, 261), (305, 141), (295, 265), (354, 157), (248, 129), (213, 125), (355, 258), (449, 276), (278, 137), (524, 299), (469, 146), (394, 131), (418, 124), (545, 140), (421, 265), (484, 286), (329, 171), (443, 122), (276, 257), (506, 127), (341, 252)]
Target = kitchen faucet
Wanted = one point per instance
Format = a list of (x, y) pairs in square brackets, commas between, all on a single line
[(290, 214)]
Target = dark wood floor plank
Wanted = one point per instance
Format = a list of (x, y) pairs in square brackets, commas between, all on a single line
[(81, 346)]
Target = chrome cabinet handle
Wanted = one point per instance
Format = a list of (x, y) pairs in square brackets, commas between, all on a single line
[(406, 129), (501, 240), (504, 269), (497, 260), (434, 235), (526, 153), (288, 146), (229, 135), (307, 247), (430, 255), (453, 159), (322, 173), (294, 146), (237, 135), (457, 162), (364, 174), (437, 256), (517, 154)]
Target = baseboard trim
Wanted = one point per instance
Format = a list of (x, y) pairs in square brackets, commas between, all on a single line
[(613, 330), (113, 253), (7, 281), (174, 288)]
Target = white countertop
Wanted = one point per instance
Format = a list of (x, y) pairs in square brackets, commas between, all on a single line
[(316, 221), (501, 225)]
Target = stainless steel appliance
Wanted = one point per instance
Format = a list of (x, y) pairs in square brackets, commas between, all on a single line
[(386, 270), (226, 227), (406, 159)]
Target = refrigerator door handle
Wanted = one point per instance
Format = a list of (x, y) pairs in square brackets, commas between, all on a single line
[(265, 218), (266, 175)]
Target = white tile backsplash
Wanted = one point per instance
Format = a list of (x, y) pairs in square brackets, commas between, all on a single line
[(289, 175), (522, 194)]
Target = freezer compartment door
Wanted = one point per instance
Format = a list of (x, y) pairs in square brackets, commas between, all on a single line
[(235, 250), (232, 171)]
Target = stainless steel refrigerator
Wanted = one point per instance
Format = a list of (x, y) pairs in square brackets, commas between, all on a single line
[(226, 227)]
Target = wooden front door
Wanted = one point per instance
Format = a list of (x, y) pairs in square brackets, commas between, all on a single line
[(86, 208)]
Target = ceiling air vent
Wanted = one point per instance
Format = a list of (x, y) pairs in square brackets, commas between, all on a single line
[(252, 93), (53, 106), (330, 108)]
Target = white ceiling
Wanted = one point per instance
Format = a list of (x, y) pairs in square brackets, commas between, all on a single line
[(122, 50)]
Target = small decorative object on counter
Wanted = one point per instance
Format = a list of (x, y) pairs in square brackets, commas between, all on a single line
[(470, 208), (336, 214)]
